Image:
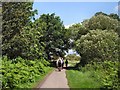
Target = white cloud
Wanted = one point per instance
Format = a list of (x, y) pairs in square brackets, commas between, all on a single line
[(67, 26)]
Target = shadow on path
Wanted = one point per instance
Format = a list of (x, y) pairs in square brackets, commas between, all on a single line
[(70, 68)]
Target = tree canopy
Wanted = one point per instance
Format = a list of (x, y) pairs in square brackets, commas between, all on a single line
[(102, 22), (15, 17), (98, 45), (44, 37), (54, 35)]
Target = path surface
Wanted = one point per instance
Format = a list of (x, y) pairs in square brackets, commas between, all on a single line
[(55, 80)]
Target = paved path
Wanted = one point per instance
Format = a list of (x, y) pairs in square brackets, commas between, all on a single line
[(55, 80)]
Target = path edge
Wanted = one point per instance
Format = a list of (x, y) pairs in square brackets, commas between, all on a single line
[(67, 78), (41, 82)]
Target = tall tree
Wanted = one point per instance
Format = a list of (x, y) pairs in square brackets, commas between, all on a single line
[(102, 22), (112, 15), (32, 47), (54, 35), (16, 15), (77, 30), (98, 13)]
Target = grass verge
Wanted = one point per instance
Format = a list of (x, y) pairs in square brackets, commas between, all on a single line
[(77, 79)]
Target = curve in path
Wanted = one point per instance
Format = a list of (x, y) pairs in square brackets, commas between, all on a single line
[(57, 79)]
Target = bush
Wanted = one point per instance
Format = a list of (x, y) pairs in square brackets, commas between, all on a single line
[(17, 72), (98, 45)]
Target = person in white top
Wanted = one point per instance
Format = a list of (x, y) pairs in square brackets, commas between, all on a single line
[(59, 63)]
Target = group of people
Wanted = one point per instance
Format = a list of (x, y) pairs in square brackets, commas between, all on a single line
[(60, 63)]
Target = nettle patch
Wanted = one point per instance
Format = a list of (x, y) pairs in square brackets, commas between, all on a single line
[(17, 72)]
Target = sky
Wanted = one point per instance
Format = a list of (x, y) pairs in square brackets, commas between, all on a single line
[(74, 12), (73, 0)]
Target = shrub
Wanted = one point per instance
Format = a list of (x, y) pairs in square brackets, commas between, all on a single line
[(17, 72), (98, 45)]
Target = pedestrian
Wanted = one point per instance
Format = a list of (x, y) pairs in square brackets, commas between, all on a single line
[(59, 64), (62, 63), (66, 63)]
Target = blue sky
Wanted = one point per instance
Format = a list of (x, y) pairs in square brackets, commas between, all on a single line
[(74, 12)]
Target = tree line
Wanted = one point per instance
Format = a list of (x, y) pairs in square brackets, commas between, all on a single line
[(30, 38), (97, 37), (97, 40), (28, 44)]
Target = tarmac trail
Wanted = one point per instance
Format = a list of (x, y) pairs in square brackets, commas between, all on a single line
[(57, 79)]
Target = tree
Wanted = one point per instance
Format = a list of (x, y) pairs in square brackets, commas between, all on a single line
[(32, 47), (98, 45), (100, 13), (77, 30), (112, 15), (16, 15), (102, 22), (54, 35)]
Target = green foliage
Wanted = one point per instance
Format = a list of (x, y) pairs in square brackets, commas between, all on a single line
[(99, 50), (102, 45), (105, 73), (44, 37), (102, 22), (112, 15), (33, 48), (21, 37), (17, 72), (16, 15), (54, 35), (80, 80), (77, 30), (47, 37)]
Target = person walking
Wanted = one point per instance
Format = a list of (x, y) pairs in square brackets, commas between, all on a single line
[(59, 64), (62, 63), (66, 63)]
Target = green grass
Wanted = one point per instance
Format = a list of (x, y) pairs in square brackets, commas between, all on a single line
[(77, 79)]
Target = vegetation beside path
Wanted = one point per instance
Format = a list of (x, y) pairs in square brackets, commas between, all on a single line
[(77, 79), (96, 40), (20, 73), (95, 75), (28, 44)]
